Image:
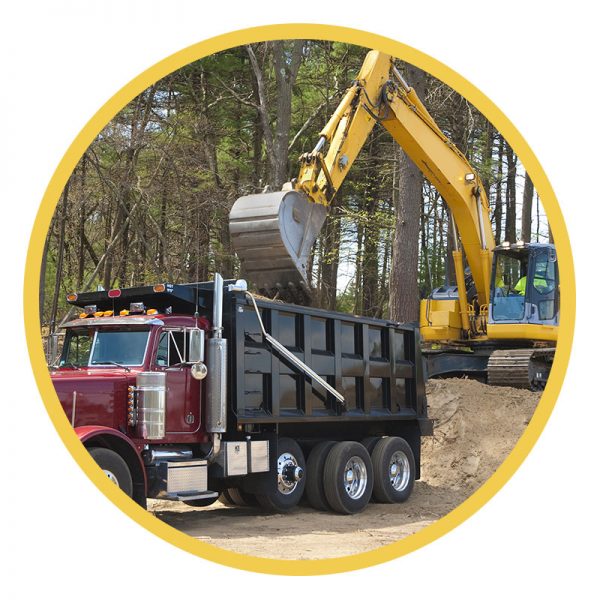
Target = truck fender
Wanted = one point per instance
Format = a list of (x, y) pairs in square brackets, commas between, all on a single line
[(92, 436)]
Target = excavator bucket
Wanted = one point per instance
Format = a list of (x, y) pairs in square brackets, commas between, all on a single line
[(273, 234)]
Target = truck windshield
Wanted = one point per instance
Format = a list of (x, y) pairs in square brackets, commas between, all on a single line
[(88, 347)]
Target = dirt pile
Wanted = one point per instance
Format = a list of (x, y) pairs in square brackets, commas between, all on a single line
[(475, 428)]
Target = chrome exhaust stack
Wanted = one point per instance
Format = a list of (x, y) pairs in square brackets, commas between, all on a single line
[(216, 380), (273, 234)]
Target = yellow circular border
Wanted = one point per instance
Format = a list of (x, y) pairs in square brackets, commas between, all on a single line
[(339, 34)]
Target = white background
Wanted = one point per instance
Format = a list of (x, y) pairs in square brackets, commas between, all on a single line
[(61, 60)]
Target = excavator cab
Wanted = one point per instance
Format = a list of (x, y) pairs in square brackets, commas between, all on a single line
[(524, 285), (273, 234)]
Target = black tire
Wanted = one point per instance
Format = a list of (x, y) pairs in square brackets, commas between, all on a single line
[(240, 498), (348, 497), (290, 482), (201, 502), (225, 498), (315, 465), (115, 467), (394, 470), (370, 442)]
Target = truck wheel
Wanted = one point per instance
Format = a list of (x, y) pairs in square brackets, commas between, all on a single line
[(315, 490), (290, 478), (114, 467), (370, 442), (201, 502), (240, 498), (226, 499), (394, 468), (348, 477)]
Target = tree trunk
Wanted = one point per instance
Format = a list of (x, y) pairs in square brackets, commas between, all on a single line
[(487, 157), (450, 270), (498, 205), (511, 193), (287, 62), (526, 212), (358, 278), (426, 280), (60, 257), (82, 211), (42, 296), (370, 258), (330, 260), (404, 287)]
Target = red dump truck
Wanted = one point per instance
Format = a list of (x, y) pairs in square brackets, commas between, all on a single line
[(188, 392)]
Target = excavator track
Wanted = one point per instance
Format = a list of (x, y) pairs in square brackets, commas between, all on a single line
[(520, 368)]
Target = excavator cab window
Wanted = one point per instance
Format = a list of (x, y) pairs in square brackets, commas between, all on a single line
[(543, 286), (509, 287), (525, 285)]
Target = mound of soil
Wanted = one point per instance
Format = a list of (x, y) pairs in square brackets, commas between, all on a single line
[(475, 428)]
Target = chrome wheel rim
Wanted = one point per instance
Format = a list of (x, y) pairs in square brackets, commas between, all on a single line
[(111, 476), (355, 477), (399, 471), (289, 473)]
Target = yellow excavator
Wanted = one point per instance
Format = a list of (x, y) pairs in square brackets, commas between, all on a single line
[(501, 319)]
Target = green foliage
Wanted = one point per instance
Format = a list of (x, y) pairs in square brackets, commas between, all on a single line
[(149, 199)]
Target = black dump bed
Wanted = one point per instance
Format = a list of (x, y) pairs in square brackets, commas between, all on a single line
[(376, 365)]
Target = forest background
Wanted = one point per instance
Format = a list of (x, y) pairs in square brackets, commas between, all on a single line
[(149, 200)]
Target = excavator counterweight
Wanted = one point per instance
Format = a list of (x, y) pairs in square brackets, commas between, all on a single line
[(273, 234)]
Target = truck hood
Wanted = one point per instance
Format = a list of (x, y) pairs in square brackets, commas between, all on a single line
[(94, 396)]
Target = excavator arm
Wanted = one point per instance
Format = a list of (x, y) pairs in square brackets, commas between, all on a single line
[(273, 233)]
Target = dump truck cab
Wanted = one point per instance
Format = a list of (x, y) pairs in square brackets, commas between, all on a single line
[(105, 354)]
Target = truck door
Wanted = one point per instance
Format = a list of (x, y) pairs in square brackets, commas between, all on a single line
[(183, 391)]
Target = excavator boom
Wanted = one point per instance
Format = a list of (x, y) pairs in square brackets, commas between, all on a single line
[(273, 233)]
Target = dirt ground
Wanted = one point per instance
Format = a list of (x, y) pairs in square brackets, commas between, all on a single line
[(476, 426)]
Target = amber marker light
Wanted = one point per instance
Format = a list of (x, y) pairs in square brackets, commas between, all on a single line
[(159, 287), (71, 297), (130, 406)]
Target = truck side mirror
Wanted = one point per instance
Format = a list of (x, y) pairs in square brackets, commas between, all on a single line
[(196, 346)]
